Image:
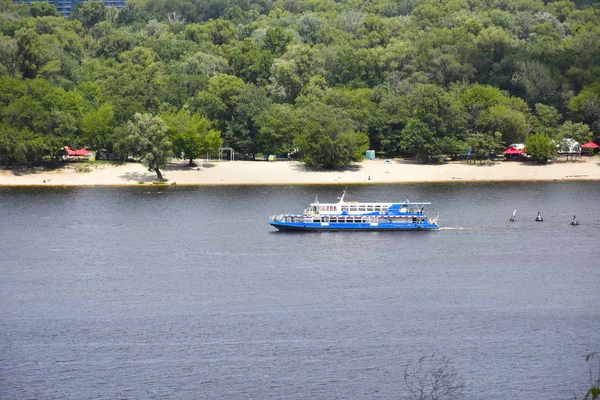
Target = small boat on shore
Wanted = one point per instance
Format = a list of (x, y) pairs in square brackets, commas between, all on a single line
[(357, 216)]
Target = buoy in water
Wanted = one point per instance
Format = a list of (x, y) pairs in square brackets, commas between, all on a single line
[(539, 217), (574, 221)]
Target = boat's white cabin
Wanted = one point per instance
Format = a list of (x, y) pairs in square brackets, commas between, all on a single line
[(346, 208), (356, 208)]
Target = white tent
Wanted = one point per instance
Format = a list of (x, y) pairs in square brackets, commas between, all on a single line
[(568, 145)]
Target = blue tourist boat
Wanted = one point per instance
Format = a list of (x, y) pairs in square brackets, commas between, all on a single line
[(354, 216)]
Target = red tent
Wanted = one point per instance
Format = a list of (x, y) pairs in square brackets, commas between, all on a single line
[(78, 153), (512, 150), (590, 145)]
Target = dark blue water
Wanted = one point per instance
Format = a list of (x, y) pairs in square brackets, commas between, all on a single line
[(114, 293)]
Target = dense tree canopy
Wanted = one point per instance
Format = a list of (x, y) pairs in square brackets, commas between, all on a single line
[(540, 147), (320, 79)]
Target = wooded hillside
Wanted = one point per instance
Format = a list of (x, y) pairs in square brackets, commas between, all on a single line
[(328, 78)]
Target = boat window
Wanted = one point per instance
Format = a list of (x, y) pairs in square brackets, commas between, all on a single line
[(345, 208), (384, 208), (353, 208), (361, 208), (370, 208), (377, 208)]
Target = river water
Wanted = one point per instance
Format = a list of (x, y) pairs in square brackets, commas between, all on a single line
[(113, 293)]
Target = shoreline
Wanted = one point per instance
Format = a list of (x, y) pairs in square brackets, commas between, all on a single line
[(281, 173)]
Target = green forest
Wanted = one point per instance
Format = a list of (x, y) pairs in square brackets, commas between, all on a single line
[(322, 80)]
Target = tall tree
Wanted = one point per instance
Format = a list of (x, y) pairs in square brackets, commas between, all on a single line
[(97, 126), (546, 120), (536, 81), (577, 131), (150, 141), (277, 128), (484, 145), (327, 137), (89, 13), (586, 107), (540, 147), (417, 138), (191, 134)]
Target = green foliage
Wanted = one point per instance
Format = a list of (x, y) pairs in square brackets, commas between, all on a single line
[(43, 9), (540, 148), (250, 62), (19, 146), (150, 141), (242, 129), (477, 100), (443, 113), (586, 107), (277, 127), (483, 145), (536, 81), (276, 39), (420, 77), (97, 126), (512, 124), (418, 138), (89, 13), (191, 134), (326, 137), (577, 131), (546, 120), (593, 392), (220, 97)]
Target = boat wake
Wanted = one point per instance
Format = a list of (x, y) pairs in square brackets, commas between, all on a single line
[(448, 228)]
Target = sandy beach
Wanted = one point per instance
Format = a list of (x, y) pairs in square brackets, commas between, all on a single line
[(295, 173)]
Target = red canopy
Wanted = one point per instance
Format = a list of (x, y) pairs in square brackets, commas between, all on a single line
[(512, 150), (590, 145), (78, 153)]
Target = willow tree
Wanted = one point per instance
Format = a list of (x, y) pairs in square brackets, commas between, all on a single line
[(150, 141)]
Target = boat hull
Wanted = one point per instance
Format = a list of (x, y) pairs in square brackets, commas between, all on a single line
[(315, 226)]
